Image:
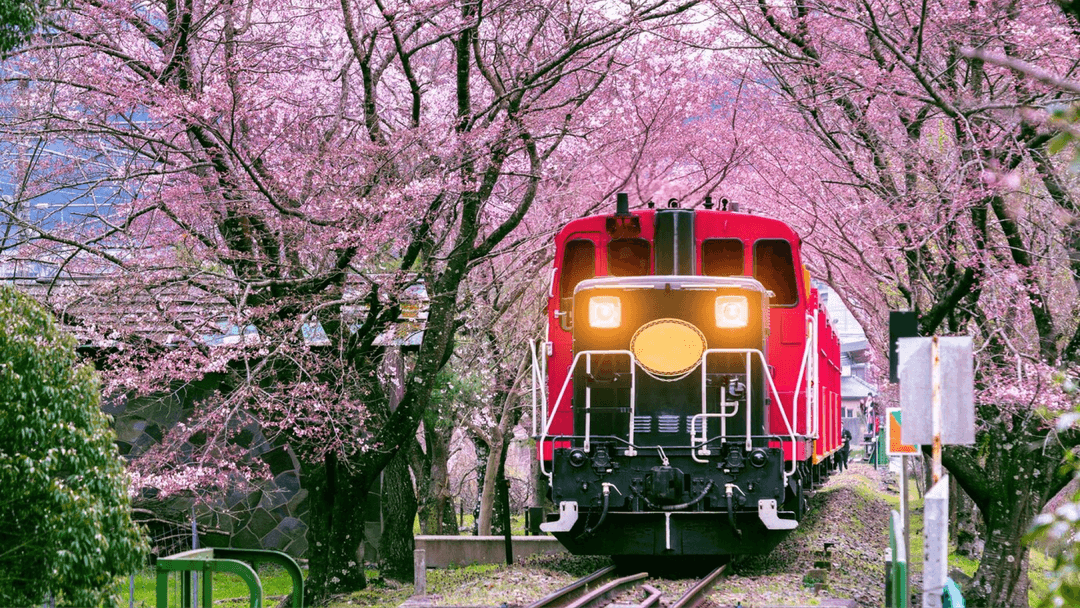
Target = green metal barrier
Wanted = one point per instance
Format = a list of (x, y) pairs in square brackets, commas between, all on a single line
[(208, 561), (898, 574), (952, 598)]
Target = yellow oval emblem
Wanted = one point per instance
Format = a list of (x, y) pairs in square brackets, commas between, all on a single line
[(668, 347)]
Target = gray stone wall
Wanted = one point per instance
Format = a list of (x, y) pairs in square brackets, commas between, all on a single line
[(267, 516)]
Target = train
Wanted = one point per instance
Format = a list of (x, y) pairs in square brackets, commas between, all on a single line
[(688, 382)]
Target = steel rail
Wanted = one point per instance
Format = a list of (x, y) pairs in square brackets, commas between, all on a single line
[(696, 595), (652, 599), (574, 590), (607, 591)]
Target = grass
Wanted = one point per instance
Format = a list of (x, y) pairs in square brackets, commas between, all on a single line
[(517, 524), (275, 582)]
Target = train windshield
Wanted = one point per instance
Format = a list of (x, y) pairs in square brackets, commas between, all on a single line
[(628, 257), (774, 267), (722, 258), (579, 263)]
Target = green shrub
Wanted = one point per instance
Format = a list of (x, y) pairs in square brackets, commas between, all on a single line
[(67, 528)]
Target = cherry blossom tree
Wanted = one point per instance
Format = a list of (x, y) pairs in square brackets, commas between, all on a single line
[(921, 187), (286, 172)]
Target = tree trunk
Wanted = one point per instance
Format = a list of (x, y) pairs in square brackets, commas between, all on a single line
[(500, 440), (963, 522), (501, 516), (1010, 487), (495, 455), (482, 452), (436, 500), (1001, 579), (399, 513), (337, 498)]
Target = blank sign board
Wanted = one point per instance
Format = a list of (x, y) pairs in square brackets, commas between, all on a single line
[(957, 390)]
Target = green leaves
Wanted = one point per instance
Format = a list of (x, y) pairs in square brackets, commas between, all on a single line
[(1066, 118), (65, 503)]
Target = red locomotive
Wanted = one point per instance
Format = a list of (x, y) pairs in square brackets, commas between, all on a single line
[(693, 383)]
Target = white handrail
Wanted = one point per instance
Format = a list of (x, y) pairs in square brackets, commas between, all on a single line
[(747, 352), (631, 451), (814, 382), (535, 383), (562, 393)]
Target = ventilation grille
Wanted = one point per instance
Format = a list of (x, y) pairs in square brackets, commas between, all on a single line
[(642, 424), (668, 424)]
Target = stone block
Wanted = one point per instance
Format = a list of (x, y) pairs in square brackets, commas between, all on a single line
[(275, 540), (280, 460), (297, 548), (298, 506), (288, 482), (292, 526), (214, 539), (261, 522), (244, 539), (447, 551)]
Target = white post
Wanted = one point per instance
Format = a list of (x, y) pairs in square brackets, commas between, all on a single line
[(936, 545), (935, 406), (420, 572)]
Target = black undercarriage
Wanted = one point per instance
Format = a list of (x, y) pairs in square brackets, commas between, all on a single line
[(658, 501)]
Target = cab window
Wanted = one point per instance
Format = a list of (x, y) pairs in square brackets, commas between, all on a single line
[(774, 267), (722, 258), (579, 263), (628, 257)]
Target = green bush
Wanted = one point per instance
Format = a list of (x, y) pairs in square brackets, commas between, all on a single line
[(65, 516)]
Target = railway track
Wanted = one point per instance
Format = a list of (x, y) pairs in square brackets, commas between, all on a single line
[(604, 589)]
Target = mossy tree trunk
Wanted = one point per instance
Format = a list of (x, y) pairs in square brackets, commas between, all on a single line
[(399, 514)]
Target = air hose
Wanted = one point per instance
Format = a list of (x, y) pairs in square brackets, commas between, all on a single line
[(603, 511), (679, 507), (731, 510)]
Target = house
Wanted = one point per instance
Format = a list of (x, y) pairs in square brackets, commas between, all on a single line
[(858, 380)]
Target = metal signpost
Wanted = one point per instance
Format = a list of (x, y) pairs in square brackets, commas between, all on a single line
[(937, 384), (936, 545), (896, 447)]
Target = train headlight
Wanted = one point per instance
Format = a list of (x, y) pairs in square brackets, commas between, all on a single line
[(732, 312), (605, 312)]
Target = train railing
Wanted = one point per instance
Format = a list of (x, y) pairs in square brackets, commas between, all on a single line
[(631, 451), (748, 353), (698, 443)]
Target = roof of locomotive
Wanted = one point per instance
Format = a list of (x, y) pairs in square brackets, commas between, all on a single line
[(721, 223)]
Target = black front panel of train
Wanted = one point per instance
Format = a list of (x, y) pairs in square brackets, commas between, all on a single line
[(674, 238), (665, 407)]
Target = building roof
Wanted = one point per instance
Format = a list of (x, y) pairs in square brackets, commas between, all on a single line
[(97, 314), (854, 387)]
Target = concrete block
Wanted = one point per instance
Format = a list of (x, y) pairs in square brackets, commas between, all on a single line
[(446, 551)]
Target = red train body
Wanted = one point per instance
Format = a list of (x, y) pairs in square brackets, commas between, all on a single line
[(692, 383)]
